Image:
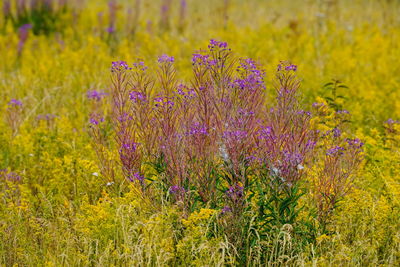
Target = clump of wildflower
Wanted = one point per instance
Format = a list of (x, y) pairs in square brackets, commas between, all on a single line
[(336, 177)]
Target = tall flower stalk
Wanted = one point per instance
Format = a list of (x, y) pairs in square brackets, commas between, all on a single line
[(13, 115)]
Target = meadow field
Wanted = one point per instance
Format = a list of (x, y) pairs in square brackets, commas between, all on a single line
[(200, 133)]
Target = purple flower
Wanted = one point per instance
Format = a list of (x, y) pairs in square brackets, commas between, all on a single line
[(265, 133), (136, 96), (197, 129), (336, 132), (317, 105), (291, 67), (129, 146), (10, 176), (310, 144), (391, 121), (200, 59), (284, 65), (290, 162), (110, 29), (158, 99), (176, 189), (190, 93), (96, 120), (236, 135), (46, 117), (252, 159), (251, 77), (180, 90), (96, 95), (355, 143), (302, 112), (119, 65), (244, 112), (342, 112), (165, 59), (140, 65), (25, 27), (334, 151), (235, 192), (164, 102), (124, 117), (136, 176), (15, 103), (170, 103), (226, 209), (216, 44)]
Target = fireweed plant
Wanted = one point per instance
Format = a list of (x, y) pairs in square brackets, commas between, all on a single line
[(215, 142)]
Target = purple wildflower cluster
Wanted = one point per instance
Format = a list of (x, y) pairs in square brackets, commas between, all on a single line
[(15, 103), (10, 176), (217, 127), (217, 44), (287, 67), (390, 126), (235, 193), (335, 151), (202, 60), (252, 77), (137, 96), (119, 65), (176, 189), (164, 101), (165, 59), (136, 176), (140, 66), (197, 129), (391, 121)]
